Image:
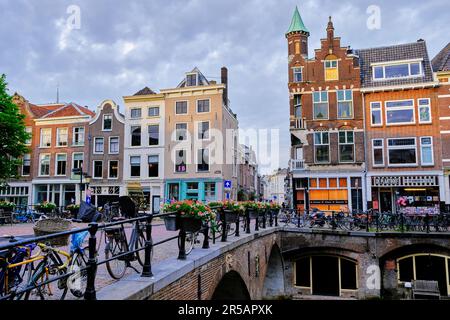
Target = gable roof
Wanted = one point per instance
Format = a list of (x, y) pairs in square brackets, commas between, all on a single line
[(144, 91), (441, 62), (41, 110), (297, 24), (202, 81), (68, 110), (415, 50)]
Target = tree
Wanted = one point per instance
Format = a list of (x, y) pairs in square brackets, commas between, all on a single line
[(13, 135)]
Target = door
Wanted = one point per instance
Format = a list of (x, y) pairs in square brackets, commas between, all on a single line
[(156, 203), (299, 153), (325, 276), (386, 201)]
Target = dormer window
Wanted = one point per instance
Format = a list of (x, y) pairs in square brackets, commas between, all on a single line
[(397, 70), (191, 80)]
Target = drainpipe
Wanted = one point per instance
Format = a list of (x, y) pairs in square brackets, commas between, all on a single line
[(365, 189)]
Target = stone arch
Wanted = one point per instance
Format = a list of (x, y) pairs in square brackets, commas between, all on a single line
[(400, 251), (231, 287), (273, 285)]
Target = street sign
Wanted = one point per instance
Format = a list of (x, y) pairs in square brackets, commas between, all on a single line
[(227, 184)]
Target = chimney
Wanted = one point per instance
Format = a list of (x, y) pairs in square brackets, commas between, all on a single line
[(224, 78)]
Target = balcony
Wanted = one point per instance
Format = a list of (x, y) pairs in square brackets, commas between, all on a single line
[(298, 123), (297, 164)]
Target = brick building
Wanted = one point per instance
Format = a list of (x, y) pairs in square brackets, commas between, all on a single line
[(403, 148), (326, 122)]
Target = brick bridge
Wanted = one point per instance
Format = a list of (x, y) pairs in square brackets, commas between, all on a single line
[(284, 262)]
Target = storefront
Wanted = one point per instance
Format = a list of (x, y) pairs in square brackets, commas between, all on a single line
[(18, 193), (59, 194), (329, 193), (410, 194), (103, 194), (204, 190), (147, 194)]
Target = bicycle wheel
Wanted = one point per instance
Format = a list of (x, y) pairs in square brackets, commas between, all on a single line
[(140, 243), (117, 267), (37, 278), (189, 242), (77, 282)]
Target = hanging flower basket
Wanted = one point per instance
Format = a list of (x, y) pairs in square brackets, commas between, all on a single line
[(53, 225), (45, 207), (190, 224), (231, 216)]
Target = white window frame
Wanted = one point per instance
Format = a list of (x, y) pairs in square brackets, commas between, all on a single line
[(140, 165), (321, 144), (294, 72), (118, 170), (159, 134), (118, 145), (93, 169), (325, 69), (187, 107), (296, 106), (41, 142), (175, 161), (56, 165), (73, 137), (187, 131), (103, 122), (383, 65), (95, 144), (345, 101), (198, 130), (131, 135), (428, 106), (58, 132), (41, 156), (197, 160), (401, 147), (23, 161), (426, 146), (380, 109), (203, 112), (413, 108), (196, 78), (29, 130), (159, 162), (135, 108), (314, 103), (154, 107), (346, 143), (73, 158), (373, 152)]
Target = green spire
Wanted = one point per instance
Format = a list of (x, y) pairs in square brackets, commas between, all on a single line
[(297, 23)]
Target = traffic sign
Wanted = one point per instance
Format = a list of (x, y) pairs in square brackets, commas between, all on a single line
[(227, 184)]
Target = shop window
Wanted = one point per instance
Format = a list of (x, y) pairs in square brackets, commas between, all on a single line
[(348, 274), (174, 190), (210, 191), (303, 272)]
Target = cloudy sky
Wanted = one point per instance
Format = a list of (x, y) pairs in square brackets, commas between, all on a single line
[(122, 46)]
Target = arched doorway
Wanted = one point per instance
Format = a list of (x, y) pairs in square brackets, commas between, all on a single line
[(231, 287), (274, 280)]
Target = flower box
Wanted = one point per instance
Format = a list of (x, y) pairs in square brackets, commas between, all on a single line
[(171, 222), (231, 216), (253, 214), (190, 224)]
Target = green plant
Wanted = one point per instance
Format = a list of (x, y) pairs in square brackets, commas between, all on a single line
[(250, 205), (73, 207), (46, 205), (7, 205), (191, 209), (233, 206)]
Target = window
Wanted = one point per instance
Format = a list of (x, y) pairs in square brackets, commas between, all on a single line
[(153, 166), (203, 130), (181, 131), (397, 70), (77, 160), (402, 151), (331, 70), (400, 112), (107, 122), (113, 145), (29, 130), (153, 135), (210, 191), (135, 136), (322, 147), (426, 151), (320, 101), (181, 107), (180, 161), (203, 160), (61, 137), (99, 145), (378, 152), (375, 114), (298, 76), (346, 146), (98, 169), (298, 106), (135, 113), (46, 138), (26, 165), (61, 164), (191, 80), (202, 106), (44, 165), (113, 169), (153, 112), (424, 111), (135, 166), (78, 136), (345, 104)]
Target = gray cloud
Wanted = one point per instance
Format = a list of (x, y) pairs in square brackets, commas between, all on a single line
[(123, 46)]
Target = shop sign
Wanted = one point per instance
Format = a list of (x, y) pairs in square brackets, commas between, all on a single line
[(404, 181), (328, 202)]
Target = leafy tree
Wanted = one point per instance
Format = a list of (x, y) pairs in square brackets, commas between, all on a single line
[(13, 135)]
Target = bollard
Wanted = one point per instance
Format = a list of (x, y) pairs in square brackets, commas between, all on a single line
[(237, 225), (147, 268), (247, 221), (182, 248), (90, 293)]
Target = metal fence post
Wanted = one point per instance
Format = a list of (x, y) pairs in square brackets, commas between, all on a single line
[(276, 219), (427, 222), (271, 218), (224, 227), (333, 220), (247, 221), (367, 221), (147, 268), (401, 221), (182, 248), (298, 219), (257, 221), (264, 219), (206, 236), (377, 216), (90, 293), (237, 225)]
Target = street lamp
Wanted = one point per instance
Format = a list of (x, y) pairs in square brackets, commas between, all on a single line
[(80, 172)]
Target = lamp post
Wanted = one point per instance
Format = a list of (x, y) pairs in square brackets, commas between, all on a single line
[(81, 173)]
